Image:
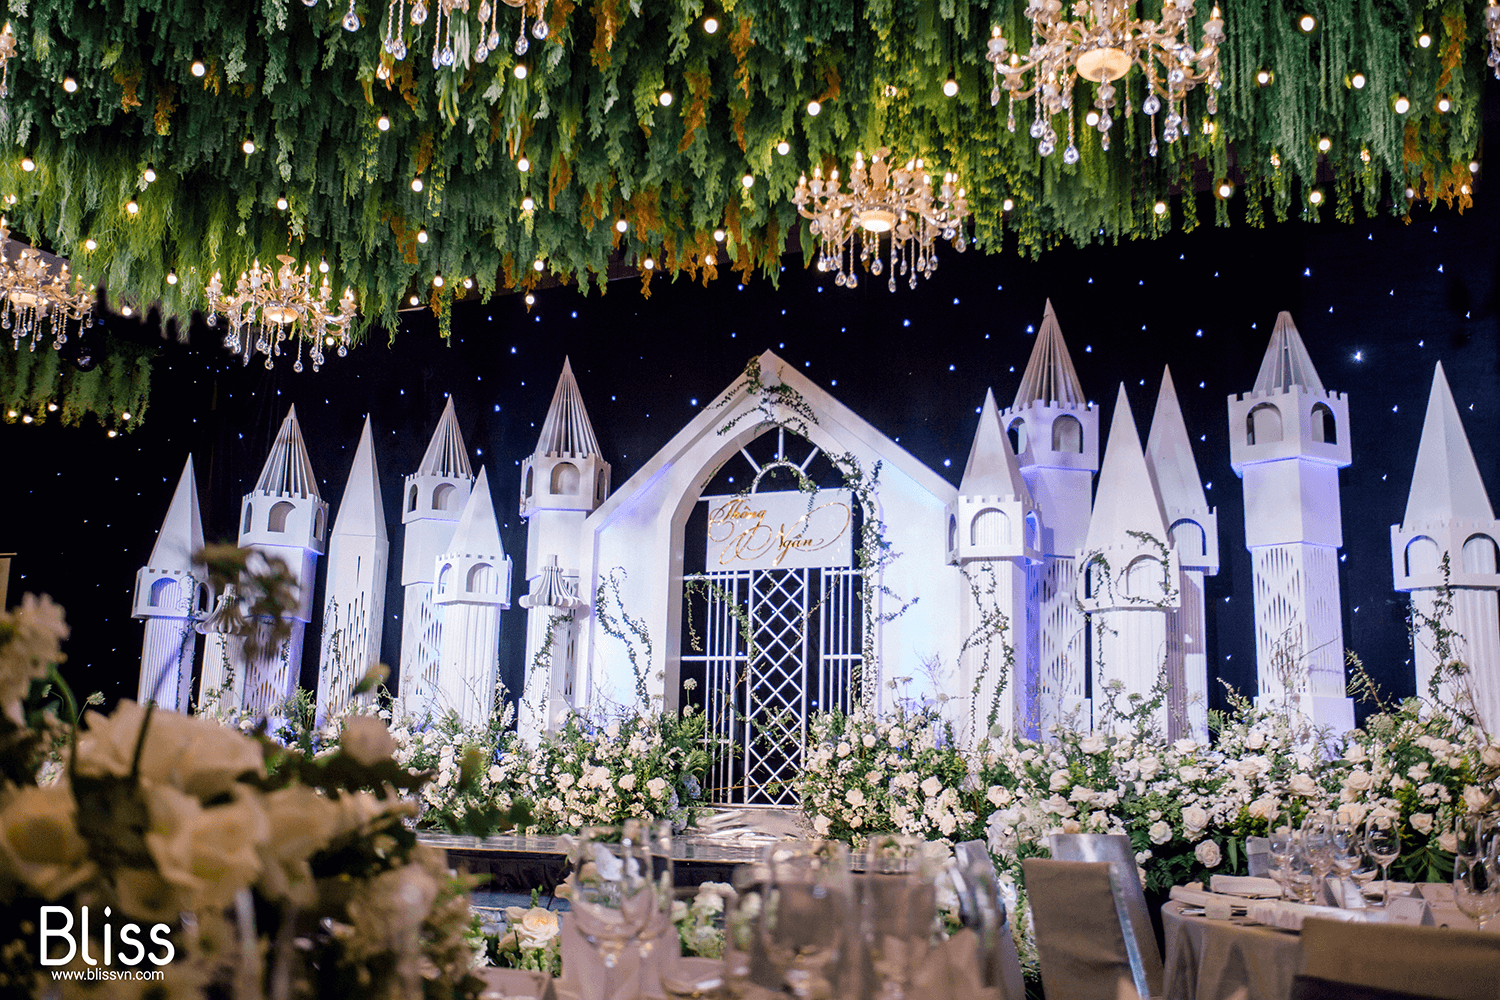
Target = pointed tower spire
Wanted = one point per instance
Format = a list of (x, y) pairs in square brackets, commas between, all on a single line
[(446, 455), (992, 470), (1169, 453), (1127, 500), (1286, 362), (1050, 376), (181, 533), (567, 431), (566, 472), (1445, 484), (361, 512), (288, 471), (478, 532)]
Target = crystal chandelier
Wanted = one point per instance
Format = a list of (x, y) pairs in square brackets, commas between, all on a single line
[(455, 43), (1492, 30), (34, 298), (281, 305), (880, 201), (1100, 46)]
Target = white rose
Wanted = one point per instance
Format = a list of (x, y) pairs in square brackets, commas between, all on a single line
[(304, 823), (1355, 754), (1160, 832), (1491, 756), (1477, 799), (1060, 780), (1419, 771), (844, 750), (39, 840), (1191, 774), (998, 795), (1359, 781), (1448, 841), (627, 782), (868, 740), (1303, 785), (198, 756), (1185, 745), (1421, 822), (1071, 826), (537, 928), (1148, 766), (1194, 820), (931, 785), (209, 854), (1208, 854), (1082, 794), (821, 825), (367, 740), (657, 787), (1093, 743), (855, 797), (1256, 740)]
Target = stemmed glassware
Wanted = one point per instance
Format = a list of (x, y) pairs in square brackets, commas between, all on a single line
[(807, 913), (1283, 848), (615, 894), (897, 898), (1383, 843), (1476, 886), (1346, 849), (1317, 845)]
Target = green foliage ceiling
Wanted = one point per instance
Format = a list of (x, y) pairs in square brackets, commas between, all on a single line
[(602, 147)]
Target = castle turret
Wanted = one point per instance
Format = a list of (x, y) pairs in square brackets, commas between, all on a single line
[(1449, 521), (284, 517), (1055, 435), (473, 587), (562, 482), (433, 497), (1129, 570), (170, 592), (354, 609), (994, 537), (1288, 438), (1194, 530)]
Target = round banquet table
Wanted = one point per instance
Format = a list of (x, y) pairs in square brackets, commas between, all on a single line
[(1225, 960)]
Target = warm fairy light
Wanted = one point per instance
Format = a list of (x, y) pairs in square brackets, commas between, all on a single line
[(171, 277), (1324, 144), (1007, 204), (468, 283), (1160, 208), (1315, 196), (528, 203), (1358, 81), (1401, 104), (383, 123), (26, 419), (520, 71), (1473, 166), (1091, 119), (1424, 40), (437, 281), (1263, 77), (1226, 189), (111, 433), (416, 184), (1307, 24), (323, 266), (718, 236), (537, 265), (648, 263), (281, 204), (813, 107), (70, 85), (710, 25), (51, 407), (91, 244), (131, 207), (198, 68), (709, 260), (950, 88), (523, 164), (530, 299), (126, 311), (621, 225), (665, 98), (150, 175), (28, 164), (421, 236), (125, 415), (414, 300), (1444, 105), (748, 181), (783, 147), (248, 146)]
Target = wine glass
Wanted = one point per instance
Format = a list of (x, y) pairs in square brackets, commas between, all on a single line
[(1346, 849), (807, 907), (1475, 834), (1476, 887), (1383, 843), (898, 904), (614, 896), (1302, 878), (1283, 846)]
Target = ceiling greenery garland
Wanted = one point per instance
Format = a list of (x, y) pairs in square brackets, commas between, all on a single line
[(589, 122)]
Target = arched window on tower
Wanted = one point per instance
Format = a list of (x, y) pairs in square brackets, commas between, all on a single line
[(245, 524), (526, 489), (445, 578), (318, 524), (1324, 427), (1094, 577), (411, 499), (1017, 432), (1263, 425), (990, 527), (279, 514), (1422, 556), (164, 592), (483, 580), (1479, 554), (564, 479), (1188, 537), (603, 485), (1143, 579), (1067, 434), (445, 497), (952, 533)]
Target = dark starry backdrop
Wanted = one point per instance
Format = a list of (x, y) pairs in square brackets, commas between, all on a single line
[(1378, 304)]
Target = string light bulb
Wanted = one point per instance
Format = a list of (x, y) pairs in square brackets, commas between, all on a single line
[(468, 283), (1315, 197), (748, 181), (718, 236), (710, 25), (416, 184), (530, 299), (1444, 104), (950, 88), (51, 407), (150, 175), (813, 107), (1225, 190), (665, 98), (414, 300), (1400, 104), (537, 265), (28, 164), (383, 123), (1324, 143), (1160, 208), (1307, 24), (1091, 119), (621, 225), (528, 203), (323, 265), (70, 85), (248, 146), (171, 277), (282, 203), (421, 236), (520, 71), (523, 165), (198, 68), (1007, 205), (648, 264), (1424, 40), (437, 280), (1473, 166), (91, 244), (783, 147), (131, 207), (1264, 77), (1358, 80)]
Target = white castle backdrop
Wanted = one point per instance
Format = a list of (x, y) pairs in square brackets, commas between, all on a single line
[(1029, 593)]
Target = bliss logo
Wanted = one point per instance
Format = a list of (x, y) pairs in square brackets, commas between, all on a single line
[(131, 950)]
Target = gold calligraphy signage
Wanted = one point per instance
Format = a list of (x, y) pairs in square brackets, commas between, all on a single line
[(779, 531)]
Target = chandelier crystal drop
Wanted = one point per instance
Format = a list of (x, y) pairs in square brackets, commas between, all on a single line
[(1100, 45), (457, 44), (277, 307), (1492, 31), (899, 204), (35, 299)]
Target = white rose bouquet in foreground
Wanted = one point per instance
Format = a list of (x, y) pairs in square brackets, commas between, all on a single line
[(228, 862)]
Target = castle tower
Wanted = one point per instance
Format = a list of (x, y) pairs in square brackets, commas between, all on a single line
[(1129, 571), (1194, 530), (1288, 438), (433, 497), (169, 594), (564, 480), (473, 587), (1055, 435), (354, 609), (1449, 517), (994, 537), (284, 517)]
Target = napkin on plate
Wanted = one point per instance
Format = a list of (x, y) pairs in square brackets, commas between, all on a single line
[(1289, 916), (1246, 886)]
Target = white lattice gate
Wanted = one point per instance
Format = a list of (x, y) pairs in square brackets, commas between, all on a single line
[(805, 628)]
